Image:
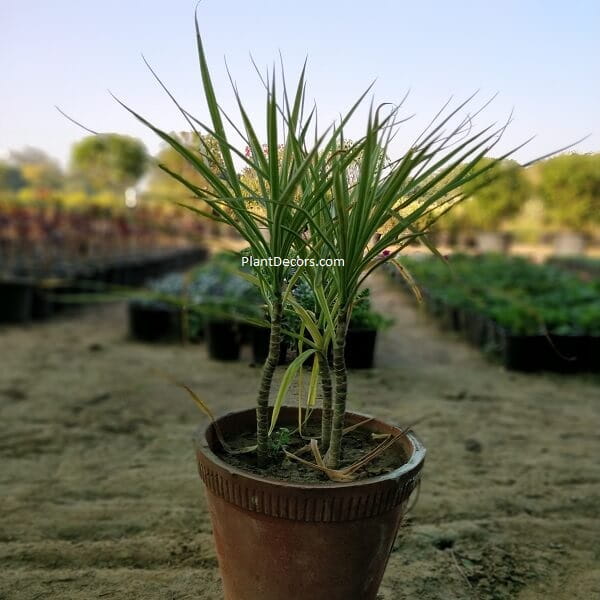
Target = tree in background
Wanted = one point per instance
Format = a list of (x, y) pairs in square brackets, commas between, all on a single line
[(11, 178), (569, 187), (109, 161), (164, 186), (41, 173), (495, 197)]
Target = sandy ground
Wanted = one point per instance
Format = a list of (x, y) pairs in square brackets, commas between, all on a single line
[(100, 498)]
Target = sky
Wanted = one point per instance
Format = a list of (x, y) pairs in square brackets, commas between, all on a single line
[(540, 57)]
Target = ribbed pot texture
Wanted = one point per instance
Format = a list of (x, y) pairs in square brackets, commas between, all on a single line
[(277, 540)]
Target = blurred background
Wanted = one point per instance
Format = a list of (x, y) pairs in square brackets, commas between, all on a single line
[(501, 356), (66, 197)]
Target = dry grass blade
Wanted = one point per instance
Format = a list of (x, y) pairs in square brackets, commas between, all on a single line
[(346, 474), (331, 473), (373, 454), (314, 447), (206, 410), (408, 278), (356, 425), (460, 570), (303, 450)]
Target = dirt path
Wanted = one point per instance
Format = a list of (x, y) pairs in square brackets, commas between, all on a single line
[(100, 498)]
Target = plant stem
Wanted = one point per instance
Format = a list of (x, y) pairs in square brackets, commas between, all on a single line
[(341, 386), (262, 404), (327, 412)]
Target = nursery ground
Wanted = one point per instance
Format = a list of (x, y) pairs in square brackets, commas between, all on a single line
[(100, 497)]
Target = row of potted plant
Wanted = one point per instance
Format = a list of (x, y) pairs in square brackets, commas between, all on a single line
[(534, 317), (214, 302), (585, 267), (28, 293), (52, 230), (211, 301)]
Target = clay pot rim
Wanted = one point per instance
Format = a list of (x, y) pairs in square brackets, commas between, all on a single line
[(408, 469)]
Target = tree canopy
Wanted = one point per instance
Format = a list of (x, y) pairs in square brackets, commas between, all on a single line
[(496, 196), (40, 172), (109, 161), (570, 190), (11, 178)]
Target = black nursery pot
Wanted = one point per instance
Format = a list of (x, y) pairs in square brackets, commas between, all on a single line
[(450, 317), (41, 305), (223, 340), (592, 354), (16, 299), (523, 352), (557, 353), (149, 323), (260, 338), (566, 353), (58, 294), (360, 348), (476, 328), (246, 333)]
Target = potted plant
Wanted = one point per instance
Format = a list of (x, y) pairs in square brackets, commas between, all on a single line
[(259, 339), (293, 519), (158, 315), (226, 300), (16, 298), (361, 337), (362, 332)]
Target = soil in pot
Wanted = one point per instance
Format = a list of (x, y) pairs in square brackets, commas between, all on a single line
[(360, 348), (279, 540), (223, 340), (357, 444)]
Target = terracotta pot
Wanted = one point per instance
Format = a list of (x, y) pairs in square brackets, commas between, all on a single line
[(325, 541)]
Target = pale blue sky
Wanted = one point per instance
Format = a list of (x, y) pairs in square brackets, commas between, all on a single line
[(541, 56)]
